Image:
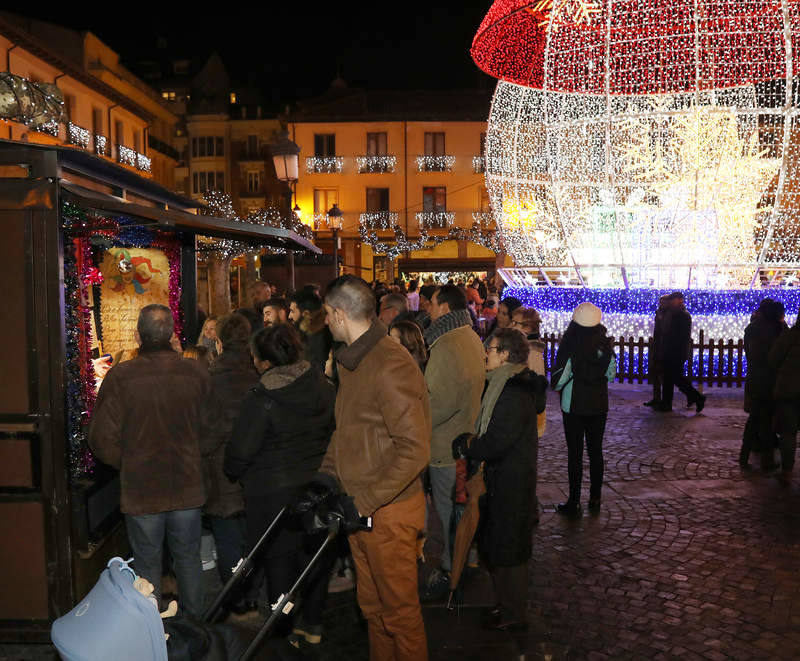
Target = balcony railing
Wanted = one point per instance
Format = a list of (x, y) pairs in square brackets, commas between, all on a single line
[(376, 164), (131, 157), (143, 162), (324, 165), (432, 219), (384, 220), (478, 164), (79, 136), (435, 163), (101, 145)]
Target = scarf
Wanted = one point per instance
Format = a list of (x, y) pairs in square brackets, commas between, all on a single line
[(281, 376), (495, 382), (446, 323)]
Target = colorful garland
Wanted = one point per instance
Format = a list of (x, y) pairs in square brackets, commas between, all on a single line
[(80, 273)]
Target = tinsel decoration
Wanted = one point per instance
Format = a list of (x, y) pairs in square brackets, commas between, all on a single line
[(80, 272), (80, 387), (475, 234)]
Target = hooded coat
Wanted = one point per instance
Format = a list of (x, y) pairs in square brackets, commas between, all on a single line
[(508, 447), (278, 443)]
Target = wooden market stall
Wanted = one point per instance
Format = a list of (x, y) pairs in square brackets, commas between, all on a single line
[(83, 245)]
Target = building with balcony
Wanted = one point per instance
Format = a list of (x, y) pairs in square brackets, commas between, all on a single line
[(110, 111), (403, 159)]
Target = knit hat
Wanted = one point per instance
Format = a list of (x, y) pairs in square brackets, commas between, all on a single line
[(587, 315)]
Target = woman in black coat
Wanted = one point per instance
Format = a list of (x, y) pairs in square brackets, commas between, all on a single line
[(277, 446), (506, 440)]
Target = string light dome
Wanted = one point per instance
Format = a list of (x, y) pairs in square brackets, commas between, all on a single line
[(645, 143)]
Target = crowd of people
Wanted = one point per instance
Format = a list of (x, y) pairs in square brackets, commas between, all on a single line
[(390, 399)]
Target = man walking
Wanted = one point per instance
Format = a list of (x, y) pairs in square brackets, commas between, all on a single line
[(455, 375), (677, 350), (379, 449), (147, 422)]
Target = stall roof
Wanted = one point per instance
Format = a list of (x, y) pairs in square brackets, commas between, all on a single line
[(174, 220)]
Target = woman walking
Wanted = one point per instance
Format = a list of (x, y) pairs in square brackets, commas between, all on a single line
[(584, 366)]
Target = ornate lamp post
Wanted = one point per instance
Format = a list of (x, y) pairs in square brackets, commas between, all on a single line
[(335, 224), (285, 155)]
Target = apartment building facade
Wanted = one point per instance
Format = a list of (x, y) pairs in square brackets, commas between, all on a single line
[(408, 159), (110, 111)]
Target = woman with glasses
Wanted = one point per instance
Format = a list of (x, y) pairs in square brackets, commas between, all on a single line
[(505, 439)]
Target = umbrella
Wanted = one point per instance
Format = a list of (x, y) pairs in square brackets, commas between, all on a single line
[(467, 525)]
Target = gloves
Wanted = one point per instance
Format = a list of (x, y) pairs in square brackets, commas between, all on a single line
[(340, 507), (321, 488), (461, 445)]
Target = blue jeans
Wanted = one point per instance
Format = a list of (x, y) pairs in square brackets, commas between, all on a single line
[(183, 530), (443, 483)]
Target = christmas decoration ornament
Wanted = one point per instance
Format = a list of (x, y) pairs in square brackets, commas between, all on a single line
[(644, 143)]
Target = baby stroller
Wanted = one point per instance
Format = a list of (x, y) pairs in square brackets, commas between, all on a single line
[(115, 621)]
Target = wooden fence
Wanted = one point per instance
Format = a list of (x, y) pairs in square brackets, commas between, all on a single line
[(714, 362)]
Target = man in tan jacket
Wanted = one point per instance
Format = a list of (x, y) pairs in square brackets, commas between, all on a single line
[(379, 449), (455, 375)]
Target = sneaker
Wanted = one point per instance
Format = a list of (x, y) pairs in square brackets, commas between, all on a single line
[(308, 633), (342, 581)]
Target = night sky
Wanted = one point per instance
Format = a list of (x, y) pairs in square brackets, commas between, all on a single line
[(293, 49)]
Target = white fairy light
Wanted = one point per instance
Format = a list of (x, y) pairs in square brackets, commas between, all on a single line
[(428, 219), (324, 164), (435, 163), (376, 164)]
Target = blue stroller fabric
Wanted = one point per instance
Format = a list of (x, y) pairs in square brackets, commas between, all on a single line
[(113, 621)]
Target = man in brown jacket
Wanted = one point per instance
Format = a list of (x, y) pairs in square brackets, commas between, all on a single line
[(380, 447), (147, 422)]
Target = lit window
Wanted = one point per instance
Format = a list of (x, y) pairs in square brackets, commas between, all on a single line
[(165, 95), (233, 97)]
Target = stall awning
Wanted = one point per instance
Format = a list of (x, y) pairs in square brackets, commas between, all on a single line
[(174, 220)]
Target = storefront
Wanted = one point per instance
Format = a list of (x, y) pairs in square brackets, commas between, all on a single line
[(84, 246)]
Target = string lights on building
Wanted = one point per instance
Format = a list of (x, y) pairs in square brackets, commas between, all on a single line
[(79, 136), (435, 163), (376, 164), (383, 220), (324, 165), (435, 219), (645, 144)]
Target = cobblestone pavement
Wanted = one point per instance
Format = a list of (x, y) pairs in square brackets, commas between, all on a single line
[(689, 557)]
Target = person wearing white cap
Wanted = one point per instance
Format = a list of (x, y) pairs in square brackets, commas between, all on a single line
[(585, 364)]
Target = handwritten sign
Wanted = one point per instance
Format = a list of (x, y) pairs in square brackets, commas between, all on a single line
[(132, 278)]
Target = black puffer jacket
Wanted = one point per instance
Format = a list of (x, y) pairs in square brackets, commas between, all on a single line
[(232, 375), (278, 444), (759, 337), (508, 448), (784, 357), (589, 352)]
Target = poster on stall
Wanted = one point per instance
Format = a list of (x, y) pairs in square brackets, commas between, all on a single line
[(132, 278)]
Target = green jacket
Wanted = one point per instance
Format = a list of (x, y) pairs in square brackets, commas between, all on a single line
[(455, 376)]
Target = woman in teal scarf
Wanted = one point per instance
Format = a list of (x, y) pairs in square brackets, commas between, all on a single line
[(505, 440)]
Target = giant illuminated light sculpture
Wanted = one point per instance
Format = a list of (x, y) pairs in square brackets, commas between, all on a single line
[(644, 143)]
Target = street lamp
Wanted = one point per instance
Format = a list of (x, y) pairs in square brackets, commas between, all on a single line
[(335, 223), (285, 155)]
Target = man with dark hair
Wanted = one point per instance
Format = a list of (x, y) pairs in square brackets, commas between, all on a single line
[(423, 319), (308, 315), (149, 421), (455, 375), (275, 312), (379, 449), (677, 350)]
